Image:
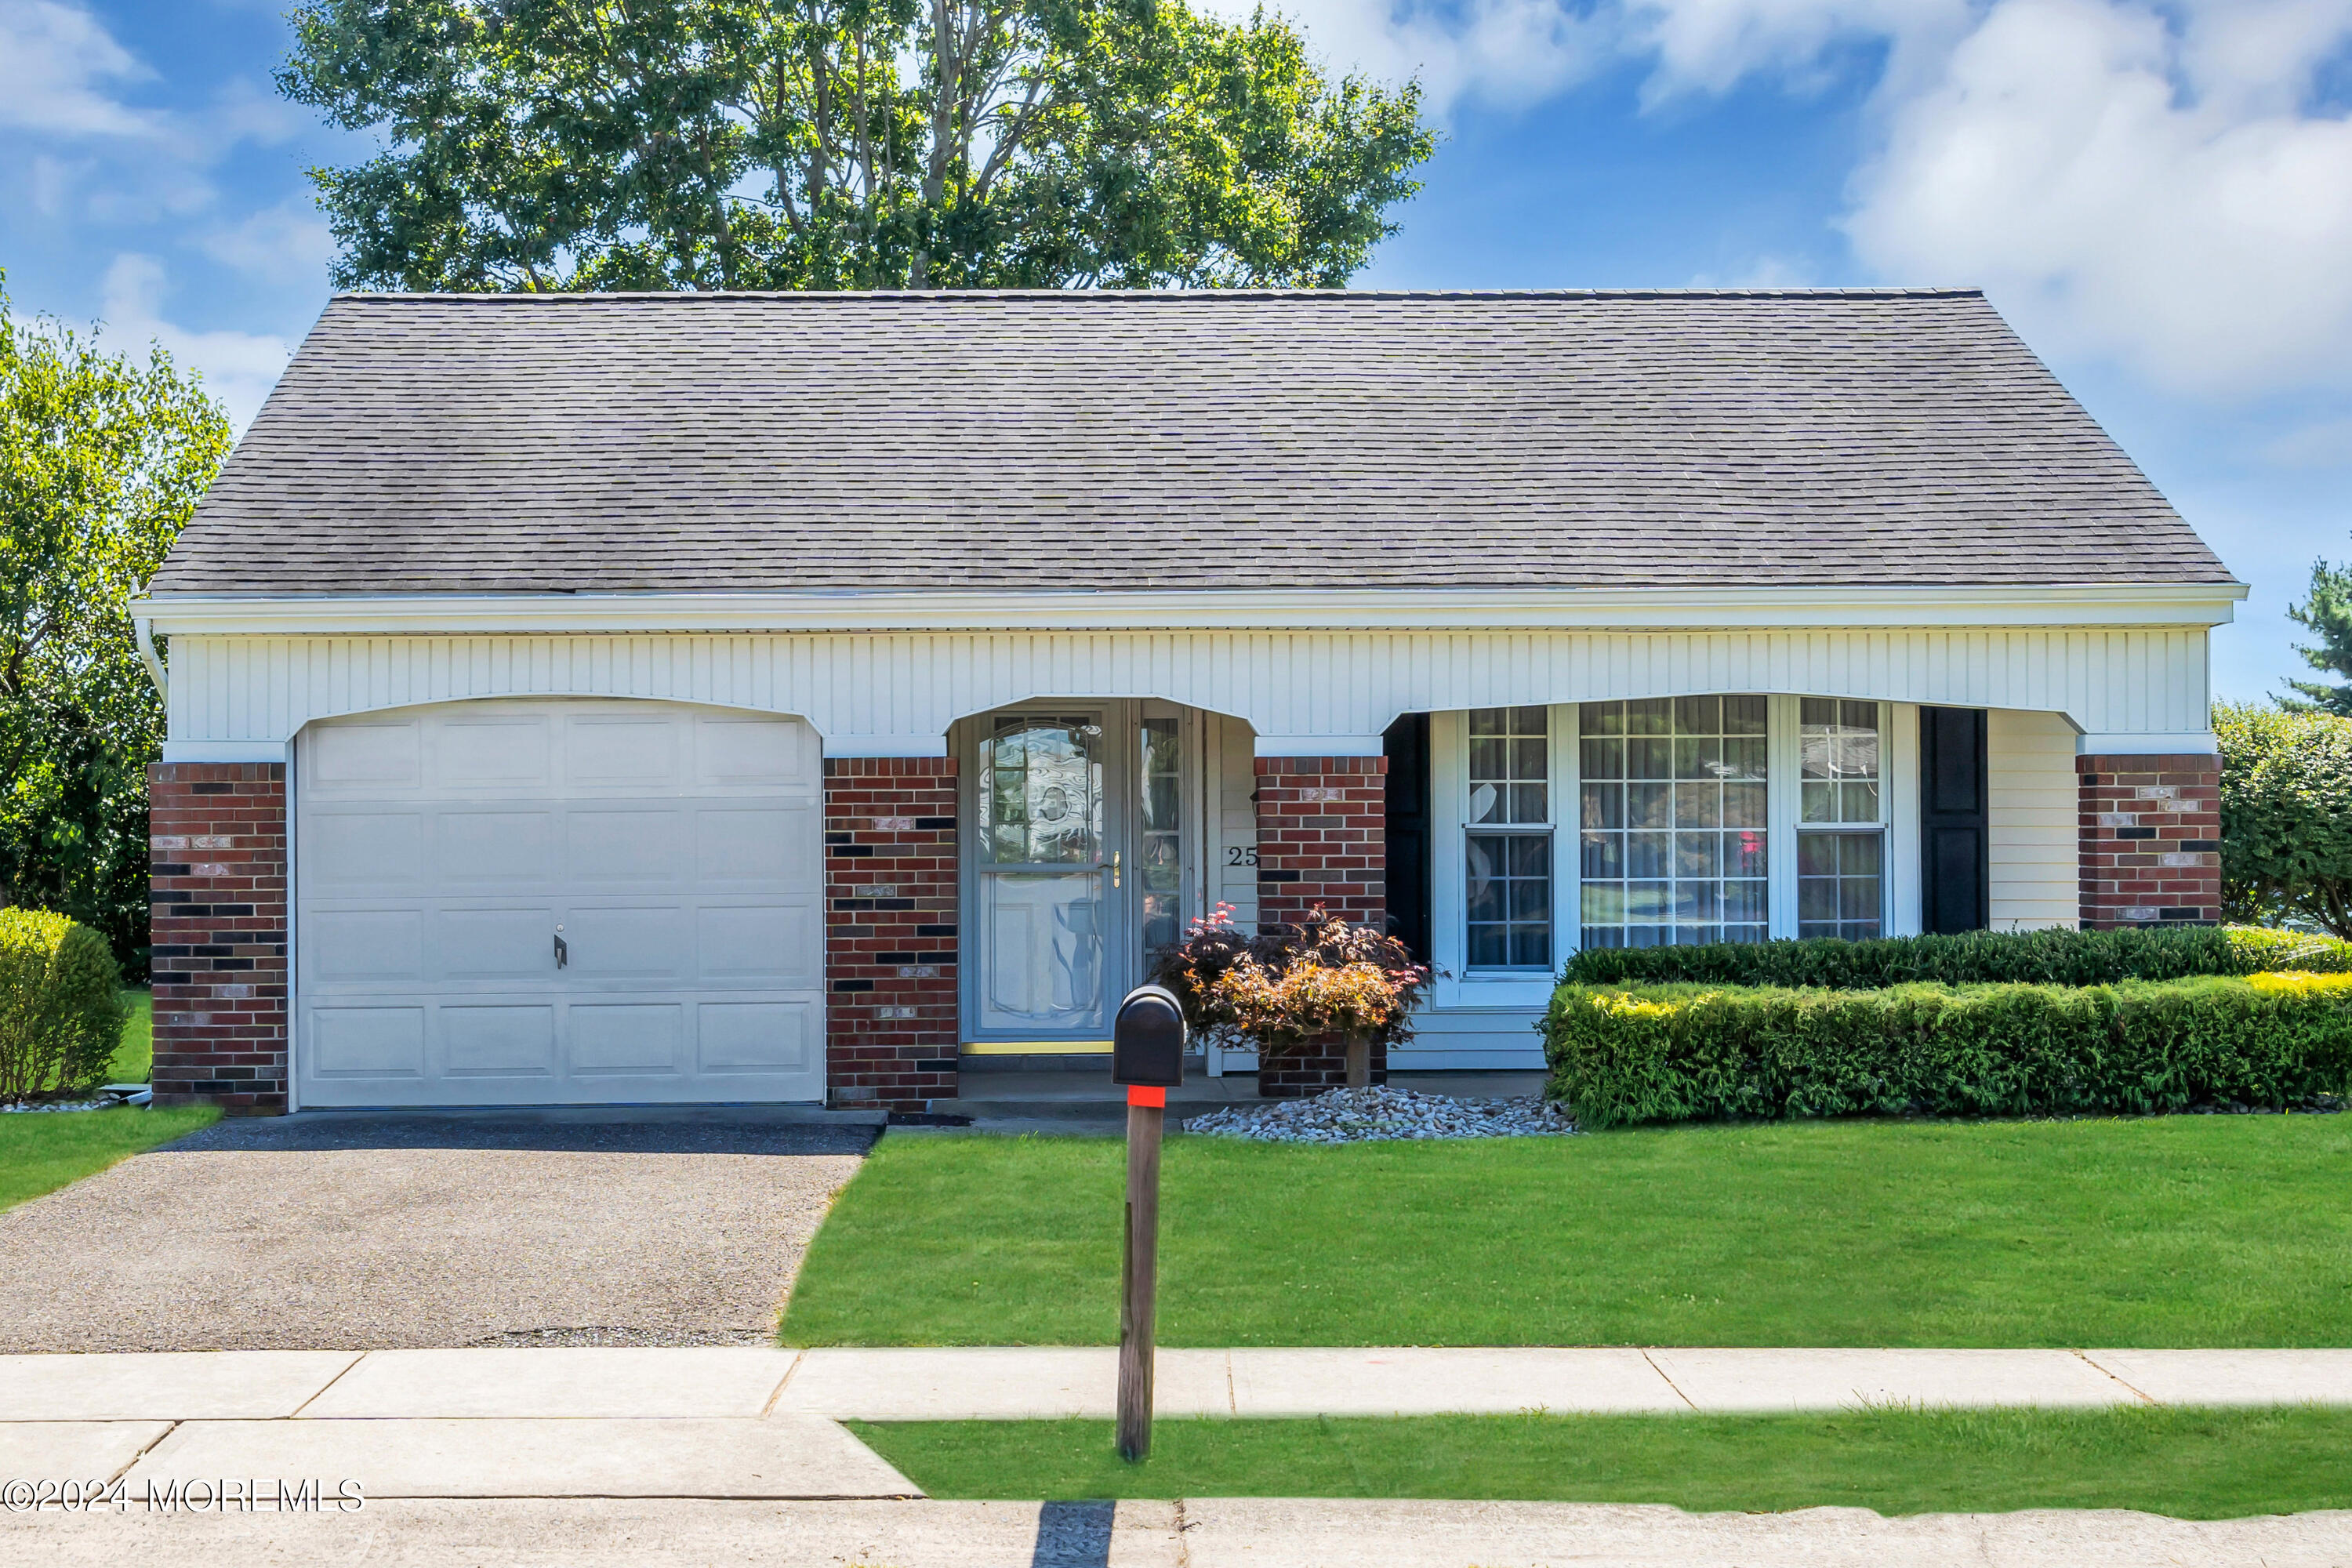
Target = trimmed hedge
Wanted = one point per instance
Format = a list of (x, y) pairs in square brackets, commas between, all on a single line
[(61, 1008), (1974, 958), (1680, 1053)]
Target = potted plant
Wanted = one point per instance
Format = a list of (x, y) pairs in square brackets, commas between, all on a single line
[(1295, 989)]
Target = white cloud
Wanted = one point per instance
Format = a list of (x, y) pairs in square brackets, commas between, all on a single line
[(2324, 444), (289, 243), (1710, 46), (239, 368), (2130, 189), (1503, 52), (57, 60)]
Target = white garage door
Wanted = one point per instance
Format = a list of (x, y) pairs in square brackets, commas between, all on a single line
[(442, 852)]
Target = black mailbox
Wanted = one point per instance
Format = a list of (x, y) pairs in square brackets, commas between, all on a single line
[(1146, 1040)]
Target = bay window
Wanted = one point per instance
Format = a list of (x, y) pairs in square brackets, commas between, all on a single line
[(1673, 812), (1659, 821), (1840, 830), (1509, 862)]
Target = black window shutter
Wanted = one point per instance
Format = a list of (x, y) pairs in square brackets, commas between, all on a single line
[(1406, 746), (1953, 869)]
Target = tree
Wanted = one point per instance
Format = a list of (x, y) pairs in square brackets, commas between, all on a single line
[(2327, 612), (102, 462), (659, 145), (2286, 817)]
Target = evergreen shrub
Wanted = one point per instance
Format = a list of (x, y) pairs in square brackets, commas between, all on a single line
[(61, 1008), (1620, 1056), (1973, 958)]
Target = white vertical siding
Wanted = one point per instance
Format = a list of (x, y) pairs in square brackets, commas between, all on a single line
[(1232, 876), (2031, 814), (234, 688)]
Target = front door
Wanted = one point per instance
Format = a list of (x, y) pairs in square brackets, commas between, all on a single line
[(1052, 867)]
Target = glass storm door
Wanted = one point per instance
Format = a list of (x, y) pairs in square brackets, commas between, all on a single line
[(1052, 872)]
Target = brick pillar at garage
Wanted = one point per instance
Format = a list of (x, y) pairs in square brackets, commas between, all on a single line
[(2151, 839), (216, 868), (1321, 841), (890, 930)]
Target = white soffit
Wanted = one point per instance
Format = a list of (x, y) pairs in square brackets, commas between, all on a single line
[(2088, 605)]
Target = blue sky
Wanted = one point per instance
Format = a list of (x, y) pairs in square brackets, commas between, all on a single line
[(2158, 193)]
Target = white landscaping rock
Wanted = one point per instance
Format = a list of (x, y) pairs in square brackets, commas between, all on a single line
[(1381, 1113)]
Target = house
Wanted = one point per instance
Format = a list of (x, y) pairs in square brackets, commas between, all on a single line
[(732, 698)]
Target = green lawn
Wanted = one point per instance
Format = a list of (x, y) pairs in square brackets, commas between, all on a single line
[(41, 1151), (2217, 1231), (134, 1058), (2189, 1463)]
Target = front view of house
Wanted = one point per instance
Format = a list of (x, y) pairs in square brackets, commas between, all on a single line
[(713, 698)]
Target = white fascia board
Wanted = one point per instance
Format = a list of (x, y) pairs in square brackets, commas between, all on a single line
[(1375, 609), (223, 751), (2149, 743), (1321, 745), (886, 745)]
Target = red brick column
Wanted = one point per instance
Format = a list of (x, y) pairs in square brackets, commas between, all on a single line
[(1320, 839), (216, 865), (890, 930), (2151, 839)]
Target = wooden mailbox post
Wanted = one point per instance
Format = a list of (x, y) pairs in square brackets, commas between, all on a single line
[(1148, 1058)]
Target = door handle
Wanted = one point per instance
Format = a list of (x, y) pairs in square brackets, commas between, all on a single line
[(1114, 867), (562, 949)]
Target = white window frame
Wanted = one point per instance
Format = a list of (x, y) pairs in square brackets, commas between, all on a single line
[(1458, 986)]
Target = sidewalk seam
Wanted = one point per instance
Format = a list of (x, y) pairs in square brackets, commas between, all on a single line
[(1669, 1381), (778, 1391), (1233, 1400), (169, 1427), (324, 1387), (2145, 1398)]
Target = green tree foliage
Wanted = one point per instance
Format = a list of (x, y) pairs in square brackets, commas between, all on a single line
[(2328, 612), (102, 462), (2286, 817), (656, 144)]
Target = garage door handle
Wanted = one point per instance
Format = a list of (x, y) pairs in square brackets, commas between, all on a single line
[(562, 950)]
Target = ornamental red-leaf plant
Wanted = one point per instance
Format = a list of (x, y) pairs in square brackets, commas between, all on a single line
[(1283, 989)]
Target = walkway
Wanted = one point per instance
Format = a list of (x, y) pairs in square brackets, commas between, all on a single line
[(762, 1423)]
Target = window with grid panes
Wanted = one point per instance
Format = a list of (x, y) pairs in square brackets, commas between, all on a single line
[(1510, 842), (1841, 828), (1672, 827)]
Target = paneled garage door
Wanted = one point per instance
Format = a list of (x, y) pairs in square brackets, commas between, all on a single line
[(557, 902)]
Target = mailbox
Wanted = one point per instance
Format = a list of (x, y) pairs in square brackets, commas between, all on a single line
[(1146, 1040)]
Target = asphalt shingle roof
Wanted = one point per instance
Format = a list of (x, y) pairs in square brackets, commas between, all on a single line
[(472, 444)]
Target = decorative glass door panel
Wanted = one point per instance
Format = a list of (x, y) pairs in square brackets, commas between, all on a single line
[(1160, 832), (1050, 864)]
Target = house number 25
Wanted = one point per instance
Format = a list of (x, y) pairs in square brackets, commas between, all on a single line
[(1241, 855)]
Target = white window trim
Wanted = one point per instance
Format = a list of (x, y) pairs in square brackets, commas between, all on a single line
[(1457, 986)]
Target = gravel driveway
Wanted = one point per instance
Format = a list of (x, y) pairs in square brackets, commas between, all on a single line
[(345, 1234)]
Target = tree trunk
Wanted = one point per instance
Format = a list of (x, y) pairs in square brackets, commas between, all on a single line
[(1359, 1061)]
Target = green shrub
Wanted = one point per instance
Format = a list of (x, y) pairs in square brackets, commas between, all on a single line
[(1677, 1053), (2287, 815), (62, 1007), (1974, 958)]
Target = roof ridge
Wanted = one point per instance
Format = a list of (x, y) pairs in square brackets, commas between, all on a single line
[(1175, 296)]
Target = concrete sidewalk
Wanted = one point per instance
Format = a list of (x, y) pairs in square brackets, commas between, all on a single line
[(762, 1423), (750, 1382)]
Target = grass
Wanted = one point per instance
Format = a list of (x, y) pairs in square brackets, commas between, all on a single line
[(41, 1151), (2188, 1463), (134, 1058), (2216, 1231)]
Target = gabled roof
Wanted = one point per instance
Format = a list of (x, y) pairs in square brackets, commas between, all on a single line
[(1213, 440)]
